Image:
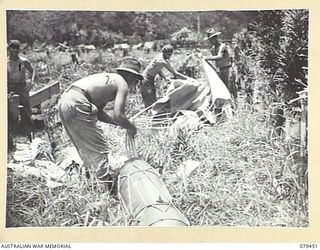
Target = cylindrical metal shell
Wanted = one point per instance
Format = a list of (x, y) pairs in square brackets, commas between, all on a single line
[(146, 198)]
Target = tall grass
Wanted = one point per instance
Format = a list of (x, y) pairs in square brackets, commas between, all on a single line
[(248, 176), (245, 178)]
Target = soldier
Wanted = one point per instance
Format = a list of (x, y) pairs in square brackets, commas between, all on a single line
[(221, 57), (82, 105), (17, 68), (148, 89)]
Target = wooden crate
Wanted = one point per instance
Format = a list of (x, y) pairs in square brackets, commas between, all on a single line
[(41, 95)]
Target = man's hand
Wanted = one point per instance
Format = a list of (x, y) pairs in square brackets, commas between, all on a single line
[(28, 87)]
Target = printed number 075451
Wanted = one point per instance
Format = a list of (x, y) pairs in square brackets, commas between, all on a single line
[(309, 246)]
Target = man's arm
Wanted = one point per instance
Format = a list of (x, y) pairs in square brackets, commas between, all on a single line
[(174, 72), (29, 84), (104, 117), (119, 117), (118, 112), (218, 56)]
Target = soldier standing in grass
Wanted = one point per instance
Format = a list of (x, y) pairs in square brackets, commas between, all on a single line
[(82, 105), (17, 68), (148, 89), (221, 57)]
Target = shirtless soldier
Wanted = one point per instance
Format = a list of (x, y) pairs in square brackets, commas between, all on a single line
[(82, 104), (17, 67), (148, 89)]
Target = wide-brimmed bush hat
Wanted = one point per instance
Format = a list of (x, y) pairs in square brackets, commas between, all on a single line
[(211, 33), (131, 65), (14, 44)]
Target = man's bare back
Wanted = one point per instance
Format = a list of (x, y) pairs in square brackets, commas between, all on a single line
[(102, 88)]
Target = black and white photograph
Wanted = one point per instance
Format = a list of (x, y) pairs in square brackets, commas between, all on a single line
[(157, 118)]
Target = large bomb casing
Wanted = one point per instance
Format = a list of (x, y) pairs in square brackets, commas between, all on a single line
[(146, 198)]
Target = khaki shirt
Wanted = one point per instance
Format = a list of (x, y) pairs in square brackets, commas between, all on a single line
[(225, 61)]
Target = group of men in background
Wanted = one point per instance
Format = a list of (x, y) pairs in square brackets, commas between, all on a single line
[(82, 105)]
